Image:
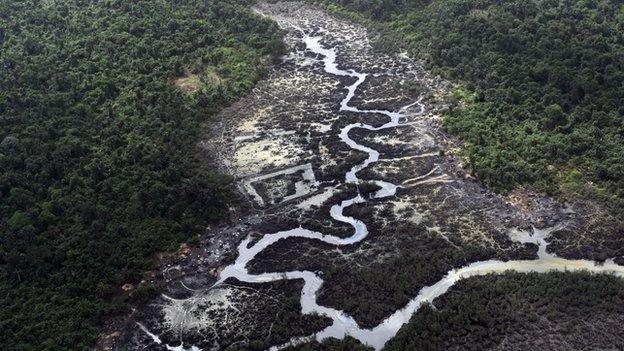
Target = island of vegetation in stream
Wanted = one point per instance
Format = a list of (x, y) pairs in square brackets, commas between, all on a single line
[(102, 104)]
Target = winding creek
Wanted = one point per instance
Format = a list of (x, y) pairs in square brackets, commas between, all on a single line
[(344, 324)]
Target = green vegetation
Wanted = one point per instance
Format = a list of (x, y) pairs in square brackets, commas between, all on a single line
[(331, 344), (98, 155), (544, 81), (529, 311)]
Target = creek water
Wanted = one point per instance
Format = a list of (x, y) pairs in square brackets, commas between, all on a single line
[(343, 324)]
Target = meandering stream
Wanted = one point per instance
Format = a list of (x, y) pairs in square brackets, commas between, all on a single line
[(344, 324)]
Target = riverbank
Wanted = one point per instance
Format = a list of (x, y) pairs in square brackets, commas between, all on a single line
[(357, 192)]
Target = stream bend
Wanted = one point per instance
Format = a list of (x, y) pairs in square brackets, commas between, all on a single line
[(344, 324)]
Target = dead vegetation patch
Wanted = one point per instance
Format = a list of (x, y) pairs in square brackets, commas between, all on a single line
[(189, 83), (192, 82)]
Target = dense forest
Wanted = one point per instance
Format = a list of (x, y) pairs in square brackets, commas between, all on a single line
[(543, 86), (564, 311), (331, 344), (99, 166)]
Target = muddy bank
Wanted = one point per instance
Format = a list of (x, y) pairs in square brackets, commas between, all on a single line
[(358, 208)]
